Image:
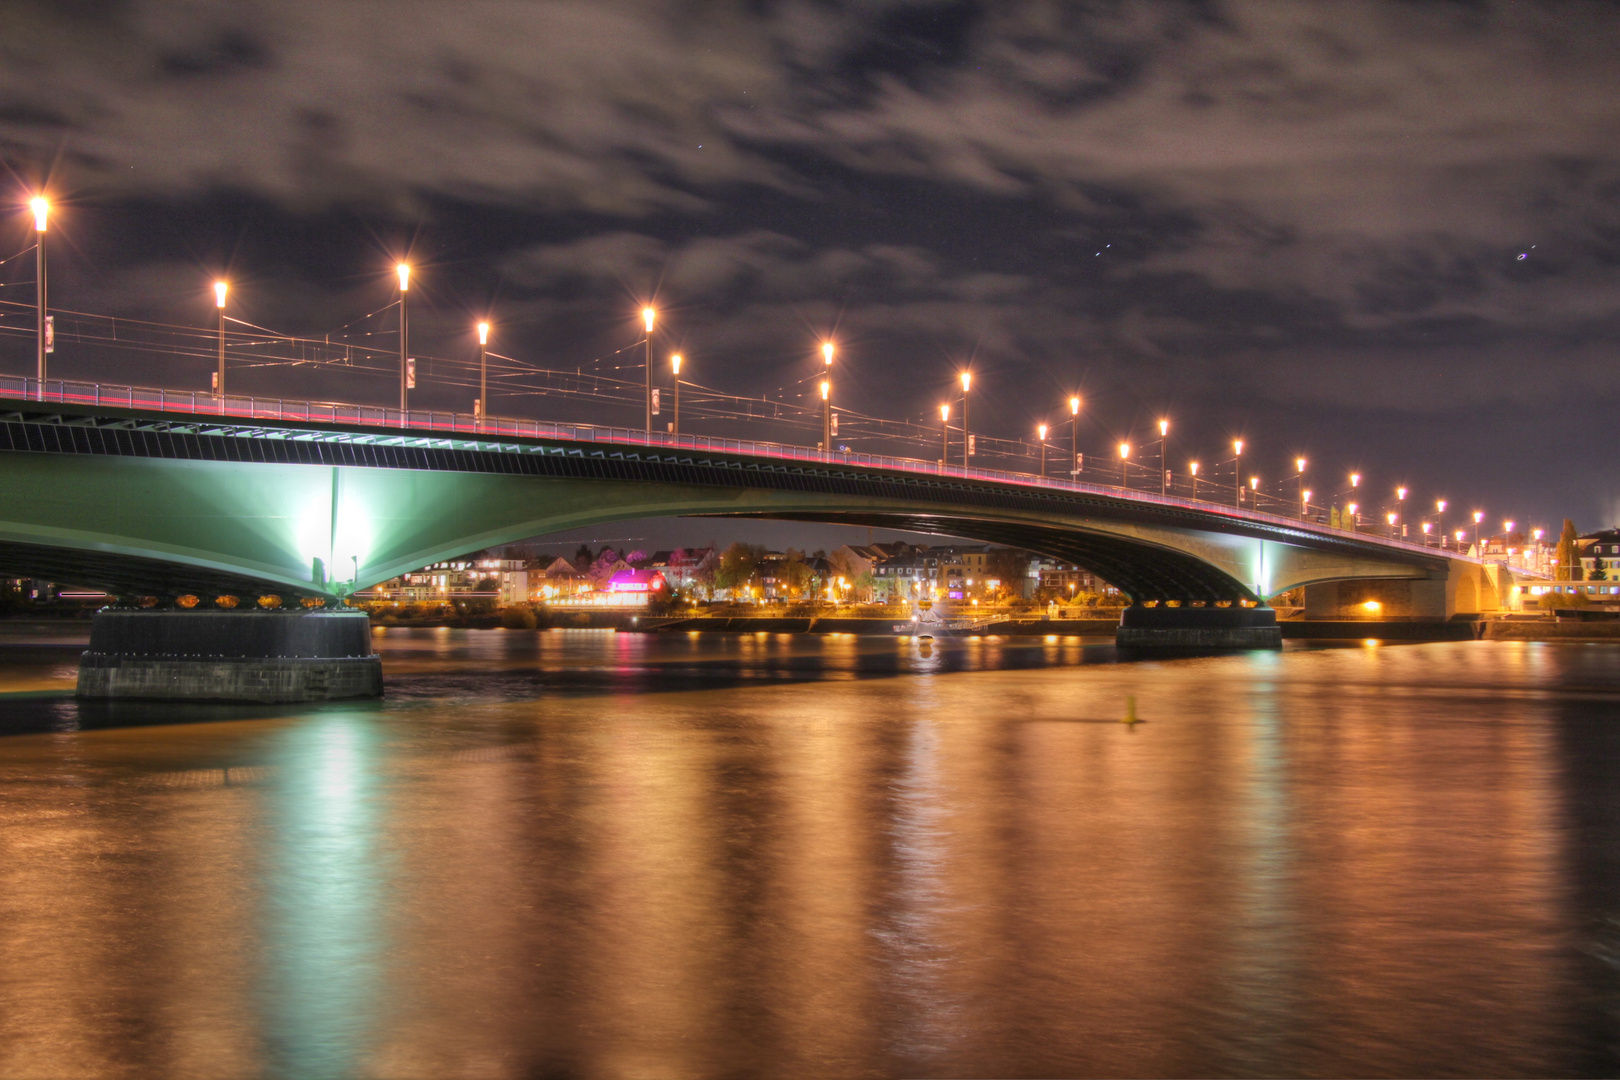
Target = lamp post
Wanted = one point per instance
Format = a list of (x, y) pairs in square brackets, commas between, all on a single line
[(1254, 493), (826, 415), (1074, 446), (1124, 464), (1479, 516), (42, 209), (967, 439), (945, 434), (1353, 508), (675, 362), (826, 396), (1164, 450), (1237, 472), (220, 289), (1305, 505), (1440, 521), (1400, 509), (483, 374), (404, 271), (1299, 474), (1040, 433), (649, 316), (1192, 467)]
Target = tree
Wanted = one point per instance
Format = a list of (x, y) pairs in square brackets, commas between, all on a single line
[(583, 558), (738, 565), (1569, 567), (1010, 566), (794, 573)]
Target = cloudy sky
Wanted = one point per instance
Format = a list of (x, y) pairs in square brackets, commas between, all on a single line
[(1385, 236)]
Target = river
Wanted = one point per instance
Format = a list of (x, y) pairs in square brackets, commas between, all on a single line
[(590, 854)]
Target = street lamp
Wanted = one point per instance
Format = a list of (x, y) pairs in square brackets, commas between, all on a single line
[(967, 439), (220, 289), (42, 210), (1479, 516), (1299, 474), (826, 395), (1462, 534), (404, 271), (945, 434), (1164, 450), (1440, 521), (483, 374), (675, 362), (1124, 459), (1352, 508), (648, 317), (826, 415), (1074, 446), (1237, 471), (1192, 467), (1400, 508), (1040, 433), (1305, 505)]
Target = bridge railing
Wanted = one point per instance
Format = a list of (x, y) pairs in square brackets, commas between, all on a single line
[(422, 422)]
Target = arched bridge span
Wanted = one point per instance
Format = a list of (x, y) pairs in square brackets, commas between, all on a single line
[(143, 503)]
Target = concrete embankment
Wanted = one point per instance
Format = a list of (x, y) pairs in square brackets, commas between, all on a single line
[(1548, 630), (1365, 629)]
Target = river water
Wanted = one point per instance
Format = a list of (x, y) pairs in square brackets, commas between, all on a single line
[(590, 854)]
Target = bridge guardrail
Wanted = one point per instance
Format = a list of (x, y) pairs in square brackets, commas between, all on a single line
[(192, 403)]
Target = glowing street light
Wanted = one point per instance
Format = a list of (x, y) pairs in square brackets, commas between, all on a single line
[(1164, 448), (1304, 504), (648, 318), (1074, 445), (1040, 433), (42, 210), (1440, 520), (1400, 508), (1192, 467), (967, 439), (1124, 458), (945, 434), (1479, 516), (1299, 474), (220, 289), (675, 362), (483, 374), (1237, 470), (404, 271)]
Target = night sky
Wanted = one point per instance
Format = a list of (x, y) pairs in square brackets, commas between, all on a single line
[(1386, 237)]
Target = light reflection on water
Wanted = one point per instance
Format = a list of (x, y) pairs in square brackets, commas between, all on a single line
[(608, 855)]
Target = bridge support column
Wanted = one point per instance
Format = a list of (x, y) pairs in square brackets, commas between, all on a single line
[(230, 656), (1434, 599), (1198, 628)]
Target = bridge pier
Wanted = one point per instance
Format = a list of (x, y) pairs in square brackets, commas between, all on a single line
[(1198, 628), (230, 656)]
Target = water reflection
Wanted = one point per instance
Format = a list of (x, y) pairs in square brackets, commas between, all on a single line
[(324, 895), (625, 855)]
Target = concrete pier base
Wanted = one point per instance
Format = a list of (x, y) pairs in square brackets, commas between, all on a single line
[(1198, 628), (230, 656)]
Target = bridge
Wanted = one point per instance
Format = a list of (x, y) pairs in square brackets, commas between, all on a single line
[(160, 493)]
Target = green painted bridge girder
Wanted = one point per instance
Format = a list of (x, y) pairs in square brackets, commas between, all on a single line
[(326, 530)]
